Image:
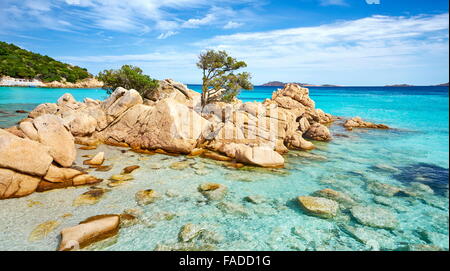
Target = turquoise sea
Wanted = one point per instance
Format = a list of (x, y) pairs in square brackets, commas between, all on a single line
[(415, 152)]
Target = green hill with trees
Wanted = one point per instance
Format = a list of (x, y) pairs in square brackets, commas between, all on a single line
[(20, 63)]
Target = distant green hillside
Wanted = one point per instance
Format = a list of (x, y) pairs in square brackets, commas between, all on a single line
[(19, 63)]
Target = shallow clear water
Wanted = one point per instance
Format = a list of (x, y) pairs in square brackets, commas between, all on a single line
[(416, 151)]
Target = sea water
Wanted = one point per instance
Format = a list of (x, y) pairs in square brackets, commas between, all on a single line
[(415, 151)]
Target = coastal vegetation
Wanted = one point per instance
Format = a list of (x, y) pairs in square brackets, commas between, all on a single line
[(219, 82), (20, 63), (129, 77)]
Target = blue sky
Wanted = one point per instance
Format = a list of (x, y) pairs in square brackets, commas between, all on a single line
[(345, 42)]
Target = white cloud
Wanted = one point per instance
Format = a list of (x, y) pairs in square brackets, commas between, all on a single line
[(231, 25), (166, 35), (194, 23), (373, 43), (131, 16)]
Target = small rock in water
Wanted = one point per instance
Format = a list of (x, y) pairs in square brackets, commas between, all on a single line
[(103, 168), (189, 232), (87, 147), (121, 177), (317, 206), (90, 197), (256, 199), (96, 160), (128, 220), (42, 230), (145, 197), (375, 217), (89, 231), (213, 191), (130, 169)]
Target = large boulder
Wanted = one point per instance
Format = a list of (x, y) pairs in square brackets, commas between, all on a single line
[(53, 134), (120, 101), (168, 88), (42, 109), (14, 184), (167, 125), (260, 156), (318, 132), (23, 155), (89, 231)]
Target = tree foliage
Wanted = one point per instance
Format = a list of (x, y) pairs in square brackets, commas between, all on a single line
[(20, 63), (129, 77), (220, 83)]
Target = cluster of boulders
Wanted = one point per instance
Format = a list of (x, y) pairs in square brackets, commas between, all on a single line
[(37, 153)]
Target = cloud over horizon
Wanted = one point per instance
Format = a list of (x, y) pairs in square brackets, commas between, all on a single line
[(370, 44)]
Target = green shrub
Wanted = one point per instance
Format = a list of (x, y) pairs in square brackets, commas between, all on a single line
[(129, 77)]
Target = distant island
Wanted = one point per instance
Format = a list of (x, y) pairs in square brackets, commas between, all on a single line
[(19, 67), (282, 84)]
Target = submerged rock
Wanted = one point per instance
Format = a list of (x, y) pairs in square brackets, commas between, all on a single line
[(145, 197), (130, 169), (180, 165), (189, 232), (42, 230), (121, 177), (337, 196), (90, 197), (382, 189), (317, 206), (233, 208), (89, 231), (256, 199), (375, 240), (423, 247), (213, 191), (375, 217), (103, 168)]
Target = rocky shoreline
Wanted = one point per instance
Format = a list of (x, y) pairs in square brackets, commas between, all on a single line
[(39, 153), (7, 81)]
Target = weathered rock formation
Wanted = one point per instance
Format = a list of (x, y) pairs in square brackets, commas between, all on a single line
[(169, 120), (357, 122)]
